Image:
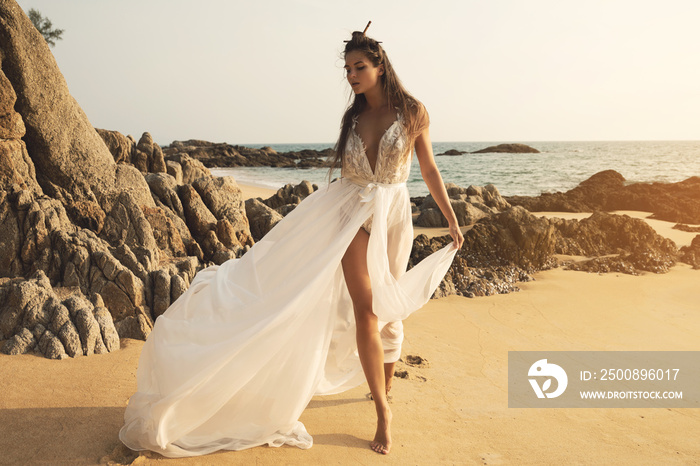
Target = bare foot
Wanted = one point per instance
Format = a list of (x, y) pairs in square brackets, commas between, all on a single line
[(382, 439)]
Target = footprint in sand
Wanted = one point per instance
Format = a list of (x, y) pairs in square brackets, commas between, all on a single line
[(416, 361)]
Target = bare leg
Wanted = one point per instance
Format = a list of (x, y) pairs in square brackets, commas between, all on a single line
[(388, 375), (369, 343)]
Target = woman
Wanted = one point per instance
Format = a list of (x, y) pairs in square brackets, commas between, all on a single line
[(309, 309)]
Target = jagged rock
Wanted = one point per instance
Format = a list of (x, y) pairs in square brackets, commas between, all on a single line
[(192, 169), (227, 234), (226, 155), (158, 160), (686, 228), (70, 338), (187, 268), (20, 343), (120, 146), (513, 237), (164, 189), (602, 234), (466, 213), (180, 225), (161, 292), (107, 330), (165, 233), (59, 314), (87, 214), (20, 296), (11, 124), (508, 148), (175, 170), (10, 263), (469, 204), (16, 168), (57, 329), (137, 327), (199, 219), (215, 250), (140, 160), (464, 280), (224, 199), (283, 210), (178, 286), (127, 224), (290, 194), (128, 259), (691, 254), (51, 347), (261, 218)]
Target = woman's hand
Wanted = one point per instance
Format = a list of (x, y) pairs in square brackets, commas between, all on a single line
[(456, 234)]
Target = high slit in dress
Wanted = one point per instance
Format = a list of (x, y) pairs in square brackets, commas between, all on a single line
[(235, 360)]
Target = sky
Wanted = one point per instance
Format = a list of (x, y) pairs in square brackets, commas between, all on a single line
[(271, 71)]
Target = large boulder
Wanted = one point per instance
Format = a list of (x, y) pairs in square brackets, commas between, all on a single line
[(120, 146), (224, 199), (261, 218), (16, 167), (71, 159)]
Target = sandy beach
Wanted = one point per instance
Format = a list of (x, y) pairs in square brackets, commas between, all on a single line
[(452, 410)]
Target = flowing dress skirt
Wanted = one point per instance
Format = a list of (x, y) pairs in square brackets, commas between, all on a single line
[(235, 360)]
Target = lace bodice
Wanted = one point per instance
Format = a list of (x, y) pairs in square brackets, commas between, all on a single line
[(393, 162)]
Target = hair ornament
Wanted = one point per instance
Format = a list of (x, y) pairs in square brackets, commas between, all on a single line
[(363, 33)]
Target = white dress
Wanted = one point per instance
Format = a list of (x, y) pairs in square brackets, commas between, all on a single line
[(235, 360)]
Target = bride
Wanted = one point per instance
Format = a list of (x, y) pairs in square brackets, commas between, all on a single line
[(313, 308)]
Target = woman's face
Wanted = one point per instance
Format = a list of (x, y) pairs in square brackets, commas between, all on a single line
[(361, 72)]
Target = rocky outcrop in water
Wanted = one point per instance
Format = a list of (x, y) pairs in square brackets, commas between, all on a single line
[(608, 191), (508, 148), (213, 154), (453, 152)]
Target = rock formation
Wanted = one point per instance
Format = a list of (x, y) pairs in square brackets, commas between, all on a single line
[(453, 152), (505, 248), (470, 204), (691, 254), (213, 154), (86, 213), (508, 148), (607, 190)]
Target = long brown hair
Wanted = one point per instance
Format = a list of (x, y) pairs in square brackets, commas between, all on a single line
[(415, 117)]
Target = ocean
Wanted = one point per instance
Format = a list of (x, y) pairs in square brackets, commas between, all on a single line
[(559, 167)]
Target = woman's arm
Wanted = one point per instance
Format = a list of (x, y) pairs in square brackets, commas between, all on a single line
[(433, 179)]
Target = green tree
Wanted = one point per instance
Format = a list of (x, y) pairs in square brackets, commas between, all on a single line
[(44, 26)]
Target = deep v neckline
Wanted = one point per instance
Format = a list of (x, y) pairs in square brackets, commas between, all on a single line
[(379, 144)]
